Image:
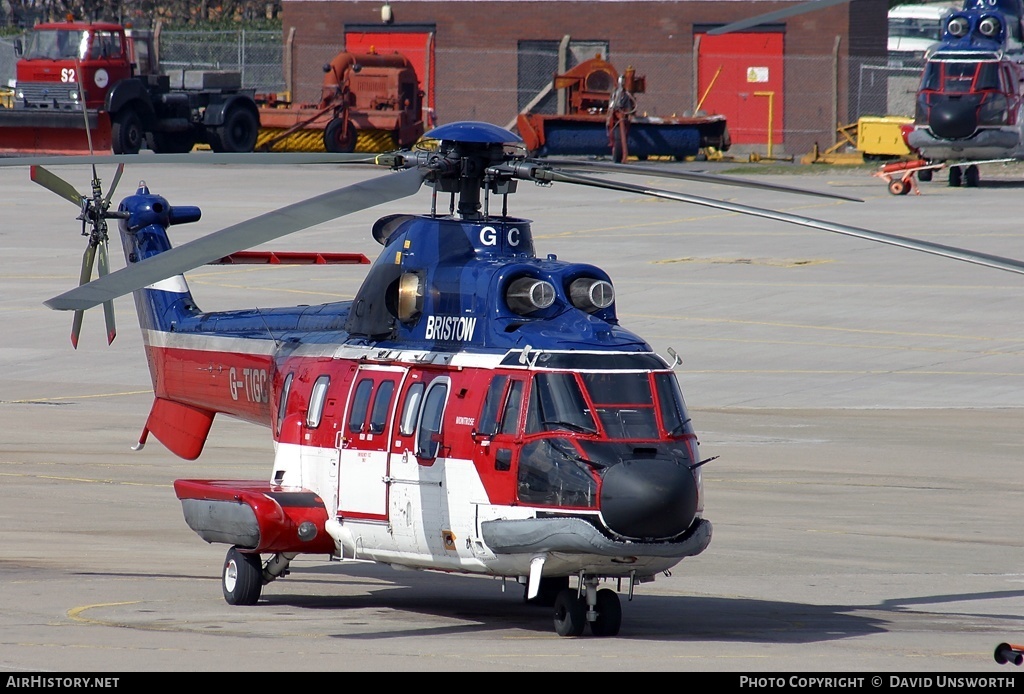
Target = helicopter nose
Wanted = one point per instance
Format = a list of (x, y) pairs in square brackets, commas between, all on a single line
[(649, 498), (953, 120)]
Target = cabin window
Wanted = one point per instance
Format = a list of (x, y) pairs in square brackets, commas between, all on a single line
[(316, 401), (411, 409), (556, 402), (552, 472), (381, 406), (282, 402), (105, 44), (428, 439), (360, 404)]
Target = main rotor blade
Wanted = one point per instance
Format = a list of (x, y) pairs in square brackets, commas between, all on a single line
[(253, 232), (199, 158), (57, 184), (108, 306), (639, 170), (993, 261), (775, 16)]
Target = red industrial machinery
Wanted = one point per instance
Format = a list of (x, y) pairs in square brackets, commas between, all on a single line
[(76, 73), (367, 97), (601, 119)]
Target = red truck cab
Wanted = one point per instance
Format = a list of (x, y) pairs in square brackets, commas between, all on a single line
[(64, 59)]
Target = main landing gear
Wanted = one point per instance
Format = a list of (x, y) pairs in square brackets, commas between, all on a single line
[(244, 575), (599, 608)]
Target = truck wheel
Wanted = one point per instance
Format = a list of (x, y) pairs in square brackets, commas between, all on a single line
[(338, 138), (126, 134), (170, 143), (238, 133)]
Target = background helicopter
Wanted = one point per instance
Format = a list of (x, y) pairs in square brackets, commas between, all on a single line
[(465, 363), (969, 103)]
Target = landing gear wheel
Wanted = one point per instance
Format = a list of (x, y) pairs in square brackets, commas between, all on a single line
[(242, 578), (238, 133), (570, 613), (971, 176), (126, 136), (898, 186), (609, 614), (924, 175), (954, 177), (340, 137), (548, 591)]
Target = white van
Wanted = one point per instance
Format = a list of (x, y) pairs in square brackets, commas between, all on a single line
[(913, 28)]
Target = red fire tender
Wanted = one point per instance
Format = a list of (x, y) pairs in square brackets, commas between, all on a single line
[(73, 73)]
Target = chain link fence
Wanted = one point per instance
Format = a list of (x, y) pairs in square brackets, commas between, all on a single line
[(819, 94), (257, 55)]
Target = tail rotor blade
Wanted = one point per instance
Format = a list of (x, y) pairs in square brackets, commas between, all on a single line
[(56, 184), (87, 261), (108, 306)]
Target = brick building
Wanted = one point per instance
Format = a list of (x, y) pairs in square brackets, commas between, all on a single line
[(787, 83)]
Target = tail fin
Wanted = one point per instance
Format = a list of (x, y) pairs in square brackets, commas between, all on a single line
[(144, 234), (181, 427)]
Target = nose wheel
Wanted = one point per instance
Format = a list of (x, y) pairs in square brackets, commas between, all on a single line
[(600, 608)]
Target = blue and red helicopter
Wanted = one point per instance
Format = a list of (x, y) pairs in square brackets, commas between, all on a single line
[(476, 408)]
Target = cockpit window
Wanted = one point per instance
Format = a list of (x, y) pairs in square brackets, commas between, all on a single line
[(556, 402), (959, 77), (672, 407), (624, 404), (552, 472)]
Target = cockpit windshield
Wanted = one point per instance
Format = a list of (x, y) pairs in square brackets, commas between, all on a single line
[(619, 404), (581, 423), (959, 77)]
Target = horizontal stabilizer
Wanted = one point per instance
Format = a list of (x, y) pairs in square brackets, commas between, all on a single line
[(182, 428), (291, 258)]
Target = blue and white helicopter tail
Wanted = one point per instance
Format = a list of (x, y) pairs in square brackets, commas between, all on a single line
[(143, 232)]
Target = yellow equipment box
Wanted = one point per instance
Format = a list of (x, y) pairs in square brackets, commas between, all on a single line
[(881, 135)]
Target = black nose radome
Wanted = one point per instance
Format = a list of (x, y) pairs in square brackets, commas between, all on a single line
[(953, 120), (649, 498)]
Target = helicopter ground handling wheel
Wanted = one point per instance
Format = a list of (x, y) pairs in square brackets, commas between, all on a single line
[(242, 577), (898, 186)]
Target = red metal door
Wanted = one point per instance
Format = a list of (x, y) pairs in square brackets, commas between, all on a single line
[(740, 76), (417, 46)]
